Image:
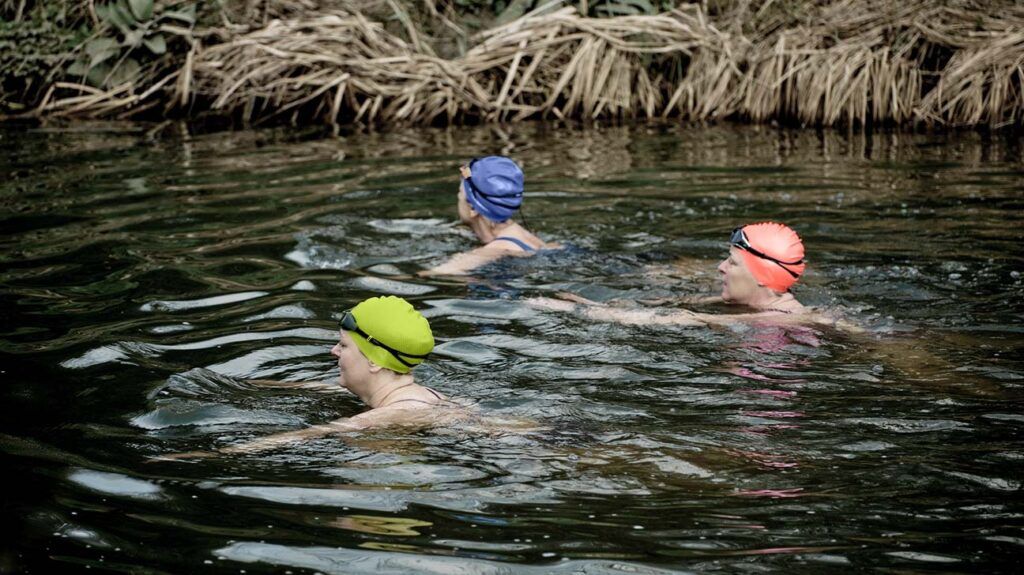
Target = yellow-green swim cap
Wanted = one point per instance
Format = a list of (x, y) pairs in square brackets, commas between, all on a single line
[(389, 332)]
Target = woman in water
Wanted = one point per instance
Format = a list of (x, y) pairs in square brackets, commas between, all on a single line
[(490, 193), (765, 260), (380, 341)]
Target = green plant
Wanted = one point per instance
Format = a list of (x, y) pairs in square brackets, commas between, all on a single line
[(130, 33), (35, 41)]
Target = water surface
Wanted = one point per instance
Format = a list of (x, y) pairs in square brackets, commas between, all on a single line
[(144, 276)]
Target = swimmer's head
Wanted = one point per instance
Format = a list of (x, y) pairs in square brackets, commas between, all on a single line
[(493, 187), (772, 252), (389, 332)]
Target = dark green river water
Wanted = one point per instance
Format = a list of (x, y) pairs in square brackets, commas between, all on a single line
[(144, 276)]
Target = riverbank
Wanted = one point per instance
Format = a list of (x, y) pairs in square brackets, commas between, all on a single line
[(846, 62)]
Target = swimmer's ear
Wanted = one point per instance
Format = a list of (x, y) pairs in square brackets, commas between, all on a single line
[(472, 213), (374, 368)]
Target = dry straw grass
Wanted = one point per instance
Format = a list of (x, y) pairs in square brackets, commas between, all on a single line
[(849, 62)]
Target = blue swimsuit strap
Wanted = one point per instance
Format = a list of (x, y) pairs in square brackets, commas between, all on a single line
[(526, 247)]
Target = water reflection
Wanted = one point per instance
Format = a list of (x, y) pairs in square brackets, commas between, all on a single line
[(146, 278)]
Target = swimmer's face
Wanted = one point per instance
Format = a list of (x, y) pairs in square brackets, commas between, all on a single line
[(466, 212), (355, 368), (738, 284)]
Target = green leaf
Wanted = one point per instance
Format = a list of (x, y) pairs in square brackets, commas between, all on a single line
[(99, 45), (188, 15), (100, 58), (97, 75), (78, 68), (156, 44), (515, 9), (134, 38), (143, 9), (103, 12), (126, 72), (120, 17), (100, 50)]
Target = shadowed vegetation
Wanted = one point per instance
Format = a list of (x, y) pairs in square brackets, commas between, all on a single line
[(841, 62)]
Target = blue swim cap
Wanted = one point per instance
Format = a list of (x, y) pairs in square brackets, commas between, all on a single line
[(494, 188)]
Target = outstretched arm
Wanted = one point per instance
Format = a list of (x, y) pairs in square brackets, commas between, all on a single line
[(271, 441), (569, 296), (320, 386), (645, 316), (462, 264), (280, 439), (642, 316), (601, 312), (379, 417)]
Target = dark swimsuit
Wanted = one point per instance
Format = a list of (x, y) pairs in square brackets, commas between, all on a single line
[(526, 247), (439, 397)]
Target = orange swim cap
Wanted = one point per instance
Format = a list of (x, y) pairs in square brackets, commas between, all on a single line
[(773, 252)]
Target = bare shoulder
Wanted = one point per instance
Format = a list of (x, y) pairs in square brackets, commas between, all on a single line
[(506, 247)]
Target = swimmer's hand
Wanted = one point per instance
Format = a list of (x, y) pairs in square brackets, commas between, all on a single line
[(182, 456), (569, 296), (550, 304)]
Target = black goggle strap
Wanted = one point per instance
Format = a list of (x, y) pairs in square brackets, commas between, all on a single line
[(739, 239), (492, 198), (348, 323)]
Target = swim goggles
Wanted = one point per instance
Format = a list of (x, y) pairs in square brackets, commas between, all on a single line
[(739, 239), (348, 323), (468, 180)]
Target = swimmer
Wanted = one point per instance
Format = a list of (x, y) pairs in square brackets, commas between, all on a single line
[(490, 193), (381, 340), (765, 260)]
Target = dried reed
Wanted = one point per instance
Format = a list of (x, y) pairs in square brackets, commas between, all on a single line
[(850, 62)]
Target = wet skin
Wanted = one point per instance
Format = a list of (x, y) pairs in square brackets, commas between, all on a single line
[(738, 284), (355, 369)]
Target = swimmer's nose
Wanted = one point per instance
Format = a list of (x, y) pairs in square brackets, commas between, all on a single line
[(335, 351)]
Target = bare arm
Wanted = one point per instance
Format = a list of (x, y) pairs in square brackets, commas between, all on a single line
[(699, 299), (270, 441), (569, 296), (280, 439), (375, 418), (643, 316), (619, 315), (684, 317), (462, 264), (640, 316), (321, 386)]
